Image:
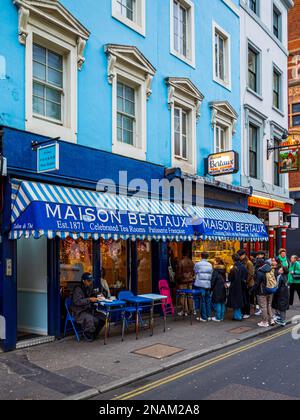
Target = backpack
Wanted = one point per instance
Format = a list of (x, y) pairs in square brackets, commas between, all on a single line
[(271, 283)]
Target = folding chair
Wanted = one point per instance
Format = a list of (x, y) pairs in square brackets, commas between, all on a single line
[(70, 319)]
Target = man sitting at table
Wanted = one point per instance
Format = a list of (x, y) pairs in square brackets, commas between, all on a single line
[(83, 308)]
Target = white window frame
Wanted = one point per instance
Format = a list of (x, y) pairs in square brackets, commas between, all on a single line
[(139, 149), (139, 23), (188, 164), (216, 29), (191, 55), (181, 112), (228, 143), (67, 127)]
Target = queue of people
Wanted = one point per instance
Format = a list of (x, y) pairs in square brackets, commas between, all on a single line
[(266, 284)]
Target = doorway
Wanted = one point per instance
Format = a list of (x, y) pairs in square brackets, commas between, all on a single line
[(32, 289)]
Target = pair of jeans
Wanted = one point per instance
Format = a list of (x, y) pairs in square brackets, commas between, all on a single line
[(220, 309), (237, 315), (206, 303)]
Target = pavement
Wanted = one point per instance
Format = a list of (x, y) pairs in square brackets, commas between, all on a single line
[(246, 371), (66, 369)]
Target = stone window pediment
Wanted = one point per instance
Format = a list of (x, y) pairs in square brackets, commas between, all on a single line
[(131, 58), (222, 111), (185, 88), (54, 14)]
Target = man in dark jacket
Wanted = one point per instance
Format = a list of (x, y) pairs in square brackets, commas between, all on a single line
[(264, 299), (248, 284), (83, 309)]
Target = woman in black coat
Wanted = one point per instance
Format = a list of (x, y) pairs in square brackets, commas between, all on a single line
[(281, 297), (236, 277), (218, 288)]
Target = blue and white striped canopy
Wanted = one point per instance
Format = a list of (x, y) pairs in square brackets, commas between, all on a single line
[(48, 210)]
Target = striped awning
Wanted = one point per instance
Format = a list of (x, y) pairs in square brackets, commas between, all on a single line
[(48, 210), (55, 211), (215, 224)]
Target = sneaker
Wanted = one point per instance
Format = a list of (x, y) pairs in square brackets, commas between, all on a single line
[(180, 314), (258, 312), (201, 320), (280, 322), (246, 317), (273, 323), (214, 319), (186, 314), (263, 325), (209, 319)]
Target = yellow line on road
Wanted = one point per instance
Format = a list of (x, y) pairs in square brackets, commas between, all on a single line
[(200, 366)]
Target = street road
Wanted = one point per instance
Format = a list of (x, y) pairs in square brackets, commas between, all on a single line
[(267, 368)]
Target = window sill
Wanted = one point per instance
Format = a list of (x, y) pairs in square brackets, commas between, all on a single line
[(128, 151), (140, 29), (190, 62), (279, 111), (224, 84), (257, 95)]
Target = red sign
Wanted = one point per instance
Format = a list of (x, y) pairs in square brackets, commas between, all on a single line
[(268, 204)]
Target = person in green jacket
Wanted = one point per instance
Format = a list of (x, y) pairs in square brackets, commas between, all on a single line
[(282, 258), (294, 278)]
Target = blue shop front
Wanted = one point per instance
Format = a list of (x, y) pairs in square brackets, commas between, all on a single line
[(57, 225)]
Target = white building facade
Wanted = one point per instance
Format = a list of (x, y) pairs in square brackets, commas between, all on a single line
[(264, 83)]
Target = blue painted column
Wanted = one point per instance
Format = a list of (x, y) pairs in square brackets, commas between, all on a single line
[(9, 282)]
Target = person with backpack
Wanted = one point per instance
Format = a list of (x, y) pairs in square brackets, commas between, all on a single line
[(294, 278), (281, 297), (218, 288), (266, 285), (238, 274)]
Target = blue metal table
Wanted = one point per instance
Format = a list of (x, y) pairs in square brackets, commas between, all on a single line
[(109, 307)]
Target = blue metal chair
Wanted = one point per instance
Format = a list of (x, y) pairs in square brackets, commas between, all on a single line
[(130, 311), (70, 319)]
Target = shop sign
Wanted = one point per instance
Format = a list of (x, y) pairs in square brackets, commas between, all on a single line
[(223, 163), (268, 204), (76, 219), (48, 158), (289, 161)]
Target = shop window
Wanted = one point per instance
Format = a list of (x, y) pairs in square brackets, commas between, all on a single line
[(75, 259), (216, 249), (144, 267), (114, 265)]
